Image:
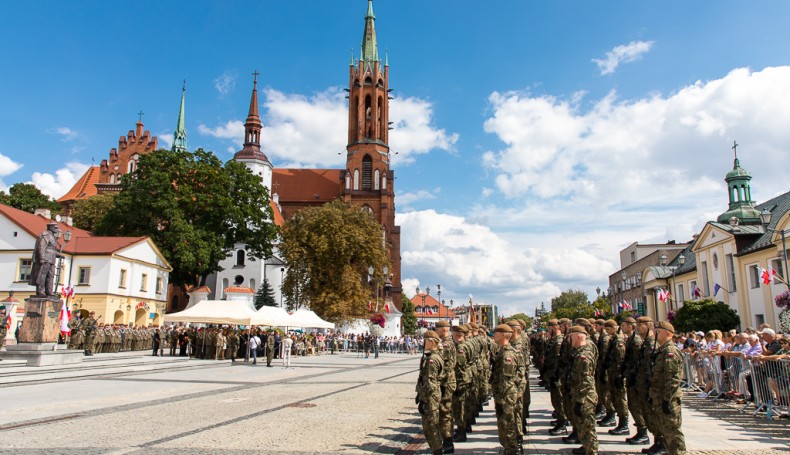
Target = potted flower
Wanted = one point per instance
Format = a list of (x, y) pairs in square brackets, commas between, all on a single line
[(783, 301)]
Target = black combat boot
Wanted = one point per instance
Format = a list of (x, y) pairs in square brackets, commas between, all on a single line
[(447, 446), (652, 449), (609, 420), (554, 414), (437, 452), (558, 429), (600, 412), (468, 428), (660, 448), (572, 438), (459, 436), (622, 428), (579, 451), (640, 438)]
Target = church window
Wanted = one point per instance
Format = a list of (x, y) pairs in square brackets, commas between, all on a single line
[(240, 257), (224, 286), (376, 177), (356, 179), (252, 283), (367, 209), (384, 182), (112, 178), (367, 168), (380, 117), (368, 117), (238, 280), (131, 166), (348, 181), (368, 81)]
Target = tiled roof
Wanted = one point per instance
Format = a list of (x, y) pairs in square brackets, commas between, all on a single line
[(430, 302), (307, 185), (778, 206), (689, 265), (201, 289), (85, 186), (82, 242), (238, 290), (278, 216)]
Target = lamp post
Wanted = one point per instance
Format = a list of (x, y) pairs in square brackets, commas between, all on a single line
[(66, 239), (372, 280), (282, 281), (623, 275), (765, 217), (439, 296), (448, 312)]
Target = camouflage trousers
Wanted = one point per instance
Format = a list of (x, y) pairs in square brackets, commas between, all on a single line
[(584, 422), (646, 409), (430, 425), (459, 408), (470, 406), (557, 401), (603, 397), (567, 404), (616, 392), (669, 427), (506, 425), (636, 408), (446, 413)]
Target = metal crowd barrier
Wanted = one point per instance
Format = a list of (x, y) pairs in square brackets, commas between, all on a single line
[(763, 384)]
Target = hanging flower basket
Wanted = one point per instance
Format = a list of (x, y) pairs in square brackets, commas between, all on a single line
[(378, 319), (375, 329), (422, 323), (783, 300)]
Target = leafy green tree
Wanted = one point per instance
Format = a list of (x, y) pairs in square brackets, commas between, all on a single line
[(88, 213), (27, 197), (571, 304), (527, 320), (195, 209), (265, 295), (704, 315), (328, 250), (408, 321)]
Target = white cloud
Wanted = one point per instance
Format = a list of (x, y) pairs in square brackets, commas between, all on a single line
[(623, 53), (7, 167), (405, 200), (61, 182), (311, 131), (67, 134), (467, 257), (225, 83), (165, 139)]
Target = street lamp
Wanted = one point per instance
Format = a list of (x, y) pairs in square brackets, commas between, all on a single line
[(66, 239), (439, 295), (282, 281), (623, 275), (372, 279), (448, 311), (765, 217)]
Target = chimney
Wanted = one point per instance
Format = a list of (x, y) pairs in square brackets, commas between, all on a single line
[(46, 213)]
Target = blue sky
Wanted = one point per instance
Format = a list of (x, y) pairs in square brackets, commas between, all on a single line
[(535, 138)]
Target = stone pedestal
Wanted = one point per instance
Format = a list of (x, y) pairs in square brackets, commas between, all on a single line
[(38, 335)]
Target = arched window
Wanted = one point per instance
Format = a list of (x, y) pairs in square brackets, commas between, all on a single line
[(240, 257), (252, 284), (112, 178), (131, 165), (384, 181), (381, 123), (376, 179), (367, 168), (356, 179), (224, 286), (348, 180)]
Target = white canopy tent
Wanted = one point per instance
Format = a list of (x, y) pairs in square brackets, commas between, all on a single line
[(308, 319), (274, 317), (216, 312)]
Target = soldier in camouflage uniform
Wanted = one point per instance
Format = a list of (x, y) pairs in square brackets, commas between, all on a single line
[(75, 340), (448, 385), (644, 326), (473, 354), (429, 390), (615, 383), (88, 328), (516, 341), (233, 345), (270, 348), (608, 419), (504, 383), (463, 381), (665, 393), (633, 348), (552, 374), (582, 390)]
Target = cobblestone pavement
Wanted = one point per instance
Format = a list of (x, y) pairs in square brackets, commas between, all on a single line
[(323, 405)]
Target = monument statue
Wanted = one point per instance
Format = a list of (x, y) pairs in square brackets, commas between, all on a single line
[(45, 258)]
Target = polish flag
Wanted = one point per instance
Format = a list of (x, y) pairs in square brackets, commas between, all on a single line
[(663, 295), (430, 310), (370, 305), (65, 315), (387, 307), (67, 291), (767, 275), (697, 293)]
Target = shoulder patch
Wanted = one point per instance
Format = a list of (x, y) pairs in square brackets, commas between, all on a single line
[(583, 357), (671, 354), (430, 360), (508, 359)]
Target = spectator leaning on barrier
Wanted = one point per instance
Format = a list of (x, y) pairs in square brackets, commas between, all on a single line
[(771, 344)]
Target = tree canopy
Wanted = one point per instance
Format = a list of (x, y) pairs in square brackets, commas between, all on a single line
[(408, 321), (27, 197), (328, 250), (705, 315), (195, 209), (88, 213)]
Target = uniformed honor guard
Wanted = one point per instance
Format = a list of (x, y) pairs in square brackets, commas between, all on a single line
[(270, 348), (88, 328), (633, 347), (582, 390), (463, 381), (665, 393), (615, 383), (516, 341), (644, 326), (429, 390), (448, 385), (552, 374), (504, 384)]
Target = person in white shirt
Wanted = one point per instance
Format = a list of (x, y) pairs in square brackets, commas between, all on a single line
[(255, 341), (286, 345)]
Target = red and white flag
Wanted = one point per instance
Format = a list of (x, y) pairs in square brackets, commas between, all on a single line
[(67, 291), (65, 315), (370, 305), (767, 274), (663, 295), (387, 307), (429, 310)]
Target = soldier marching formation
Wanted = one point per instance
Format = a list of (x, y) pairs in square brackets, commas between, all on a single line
[(597, 373)]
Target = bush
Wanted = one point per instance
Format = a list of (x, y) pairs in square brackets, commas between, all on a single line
[(705, 315)]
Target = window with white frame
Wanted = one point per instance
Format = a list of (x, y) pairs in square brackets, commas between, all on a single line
[(122, 279), (705, 283), (754, 276), (731, 273), (84, 276), (159, 285), (144, 282), (25, 267), (681, 293)]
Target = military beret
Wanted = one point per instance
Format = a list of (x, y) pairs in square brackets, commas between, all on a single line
[(600, 321), (514, 323), (578, 329), (583, 322), (474, 326), (552, 323), (644, 319), (522, 323), (666, 326), (629, 320), (459, 329), (468, 326), (591, 320), (503, 328), (430, 334), (564, 321), (610, 323), (442, 324)]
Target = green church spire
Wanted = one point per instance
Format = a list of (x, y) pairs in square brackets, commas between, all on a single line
[(741, 205), (180, 135), (370, 50)]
